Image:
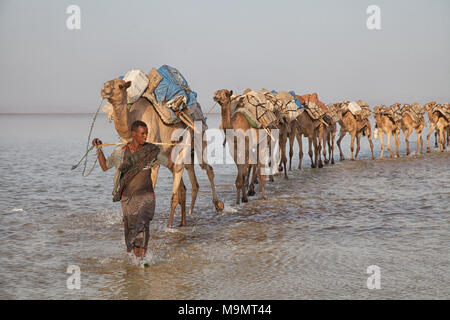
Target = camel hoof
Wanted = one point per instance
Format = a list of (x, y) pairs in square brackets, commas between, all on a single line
[(182, 224), (244, 200), (326, 161), (219, 205), (342, 158), (286, 178), (332, 161), (280, 168), (313, 165), (271, 179), (189, 212), (256, 181), (263, 198), (251, 193)]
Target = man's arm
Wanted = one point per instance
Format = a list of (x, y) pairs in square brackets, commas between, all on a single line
[(101, 156)]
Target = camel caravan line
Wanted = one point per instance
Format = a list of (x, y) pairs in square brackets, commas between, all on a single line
[(164, 101)]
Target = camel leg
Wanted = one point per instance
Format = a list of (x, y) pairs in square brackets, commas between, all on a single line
[(369, 137), (177, 175), (407, 133), (333, 137), (448, 135), (218, 204), (380, 133), (194, 183), (324, 143), (432, 127), (239, 182), (319, 145), (262, 182), (154, 175), (419, 141), (283, 160), (436, 139), (270, 163), (312, 143), (251, 188), (292, 135), (182, 202), (358, 144), (352, 144), (397, 143), (341, 136), (391, 155), (300, 150), (441, 139)]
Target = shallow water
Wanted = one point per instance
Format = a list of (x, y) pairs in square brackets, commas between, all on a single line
[(313, 238)]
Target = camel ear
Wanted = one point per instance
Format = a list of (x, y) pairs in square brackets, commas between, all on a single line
[(125, 85), (231, 93)]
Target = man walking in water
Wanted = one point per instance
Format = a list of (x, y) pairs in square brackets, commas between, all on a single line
[(133, 184)]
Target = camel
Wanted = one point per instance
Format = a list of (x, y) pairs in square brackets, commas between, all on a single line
[(115, 92), (355, 127), (238, 121), (304, 125), (408, 123), (329, 135), (386, 124), (438, 122)]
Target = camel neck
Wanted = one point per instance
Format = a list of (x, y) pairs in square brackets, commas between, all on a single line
[(121, 118), (226, 115)]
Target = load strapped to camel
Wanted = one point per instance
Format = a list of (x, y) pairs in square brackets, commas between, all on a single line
[(360, 109), (415, 111), (396, 112), (444, 109), (259, 108), (288, 107), (313, 106), (169, 93), (333, 112), (393, 112)]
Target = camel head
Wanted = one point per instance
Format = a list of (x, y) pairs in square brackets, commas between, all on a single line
[(115, 90), (223, 96), (428, 106)]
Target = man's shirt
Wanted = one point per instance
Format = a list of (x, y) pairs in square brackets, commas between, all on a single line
[(117, 157)]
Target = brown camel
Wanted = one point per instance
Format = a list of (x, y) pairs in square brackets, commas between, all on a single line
[(410, 122), (237, 121), (355, 127), (387, 125), (304, 125), (115, 92), (438, 121)]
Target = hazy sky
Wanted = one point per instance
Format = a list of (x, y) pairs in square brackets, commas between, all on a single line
[(319, 46)]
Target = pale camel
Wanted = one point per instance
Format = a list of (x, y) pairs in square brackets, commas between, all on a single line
[(439, 122), (355, 127), (329, 135), (115, 92), (386, 124), (239, 123), (408, 124)]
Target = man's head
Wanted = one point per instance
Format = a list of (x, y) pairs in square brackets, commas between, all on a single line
[(139, 131)]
